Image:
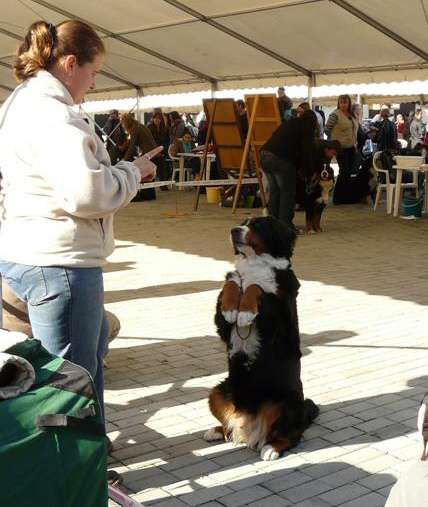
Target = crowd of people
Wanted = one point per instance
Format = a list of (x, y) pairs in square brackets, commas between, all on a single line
[(126, 139), (290, 158), (356, 140)]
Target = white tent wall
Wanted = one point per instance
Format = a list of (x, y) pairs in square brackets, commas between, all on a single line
[(172, 46)]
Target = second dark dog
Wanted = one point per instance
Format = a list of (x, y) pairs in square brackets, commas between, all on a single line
[(317, 196)]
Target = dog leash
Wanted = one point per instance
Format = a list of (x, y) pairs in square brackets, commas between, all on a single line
[(236, 325), (239, 334)]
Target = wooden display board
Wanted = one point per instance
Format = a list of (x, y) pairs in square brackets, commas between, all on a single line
[(224, 131), (263, 119), (225, 134)]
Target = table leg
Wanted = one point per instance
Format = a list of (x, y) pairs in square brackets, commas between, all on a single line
[(398, 191), (181, 173), (208, 173)]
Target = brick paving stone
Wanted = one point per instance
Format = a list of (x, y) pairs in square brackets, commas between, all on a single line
[(341, 435), (345, 476), (202, 496), (170, 502), (344, 494), (288, 481), (245, 497), (271, 501), (310, 489), (370, 500), (377, 481), (312, 502)]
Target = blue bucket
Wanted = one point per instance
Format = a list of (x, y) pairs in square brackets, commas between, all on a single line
[(412, 206)]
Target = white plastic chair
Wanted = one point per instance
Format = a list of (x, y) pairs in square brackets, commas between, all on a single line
[(176, 167), (387, 186)]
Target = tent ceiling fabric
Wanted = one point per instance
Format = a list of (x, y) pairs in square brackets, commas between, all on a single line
[(165, 46)]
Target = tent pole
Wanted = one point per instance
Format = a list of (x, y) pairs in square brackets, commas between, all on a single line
[(214, 88), (311, 85), (138, 111)]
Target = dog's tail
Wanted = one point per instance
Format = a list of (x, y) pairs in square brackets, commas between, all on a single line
[(311, 412)]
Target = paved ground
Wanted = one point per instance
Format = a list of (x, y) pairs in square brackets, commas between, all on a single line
[(363, 317)]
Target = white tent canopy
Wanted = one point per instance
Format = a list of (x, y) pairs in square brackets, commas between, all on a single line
[(165, 46)]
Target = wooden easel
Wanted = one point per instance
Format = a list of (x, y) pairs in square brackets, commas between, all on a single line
[(263, 119), (225, 132)]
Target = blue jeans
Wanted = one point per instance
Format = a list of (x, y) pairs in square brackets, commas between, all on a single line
[(282, 179), (66, 312)]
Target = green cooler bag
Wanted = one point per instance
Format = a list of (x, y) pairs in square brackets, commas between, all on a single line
[(52, 439)]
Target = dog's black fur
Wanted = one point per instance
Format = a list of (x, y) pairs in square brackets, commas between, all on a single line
[(274, 376)]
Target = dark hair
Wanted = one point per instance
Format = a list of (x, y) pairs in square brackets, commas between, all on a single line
[(305, 106), (45, 44), (186, 131), (311, 125), (128, 121), (240, 102), (174, 115), (332, 144), (348, 98)]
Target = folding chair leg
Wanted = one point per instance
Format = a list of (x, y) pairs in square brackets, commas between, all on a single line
[(378, 192), (389, 198)]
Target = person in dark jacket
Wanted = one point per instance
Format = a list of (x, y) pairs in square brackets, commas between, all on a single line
[(289, 150), (177, 126), (386, 133), (139, 141), (158, 130), (285, 104), (242, 117), (140, 138), (115, 136)]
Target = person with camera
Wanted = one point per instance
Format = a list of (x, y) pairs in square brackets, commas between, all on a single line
[(60, 193)]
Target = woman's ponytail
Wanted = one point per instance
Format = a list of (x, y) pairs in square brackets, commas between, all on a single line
[(36, 51), (45, 44)]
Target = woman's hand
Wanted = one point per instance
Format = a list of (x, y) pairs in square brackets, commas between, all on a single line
[(147, 169)]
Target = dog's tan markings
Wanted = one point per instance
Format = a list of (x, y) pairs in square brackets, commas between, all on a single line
[(230, 297), (270, 412), (250, 299), (222, 409), (309, 227)]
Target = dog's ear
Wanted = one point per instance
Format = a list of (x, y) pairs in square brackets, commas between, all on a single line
[(281, 239)]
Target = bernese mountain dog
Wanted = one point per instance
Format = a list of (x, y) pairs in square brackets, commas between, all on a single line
[(317, 196), (261, 402)]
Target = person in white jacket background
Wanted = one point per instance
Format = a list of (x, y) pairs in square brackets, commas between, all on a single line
[(60, 193)]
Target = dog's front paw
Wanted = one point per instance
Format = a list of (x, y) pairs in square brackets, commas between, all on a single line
[(230, 315), (268, 453), (245, 318), (213, 434)]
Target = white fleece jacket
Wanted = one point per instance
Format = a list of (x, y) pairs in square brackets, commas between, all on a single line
[(60, 190)]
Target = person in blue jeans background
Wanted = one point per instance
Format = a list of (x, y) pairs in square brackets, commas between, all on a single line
[(60, 193), (289, 150)]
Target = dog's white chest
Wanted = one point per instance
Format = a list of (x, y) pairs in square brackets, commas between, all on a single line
[(259, 270), (326, 186), (245, 340)]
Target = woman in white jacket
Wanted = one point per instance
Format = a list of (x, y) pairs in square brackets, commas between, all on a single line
[(60, 193)]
